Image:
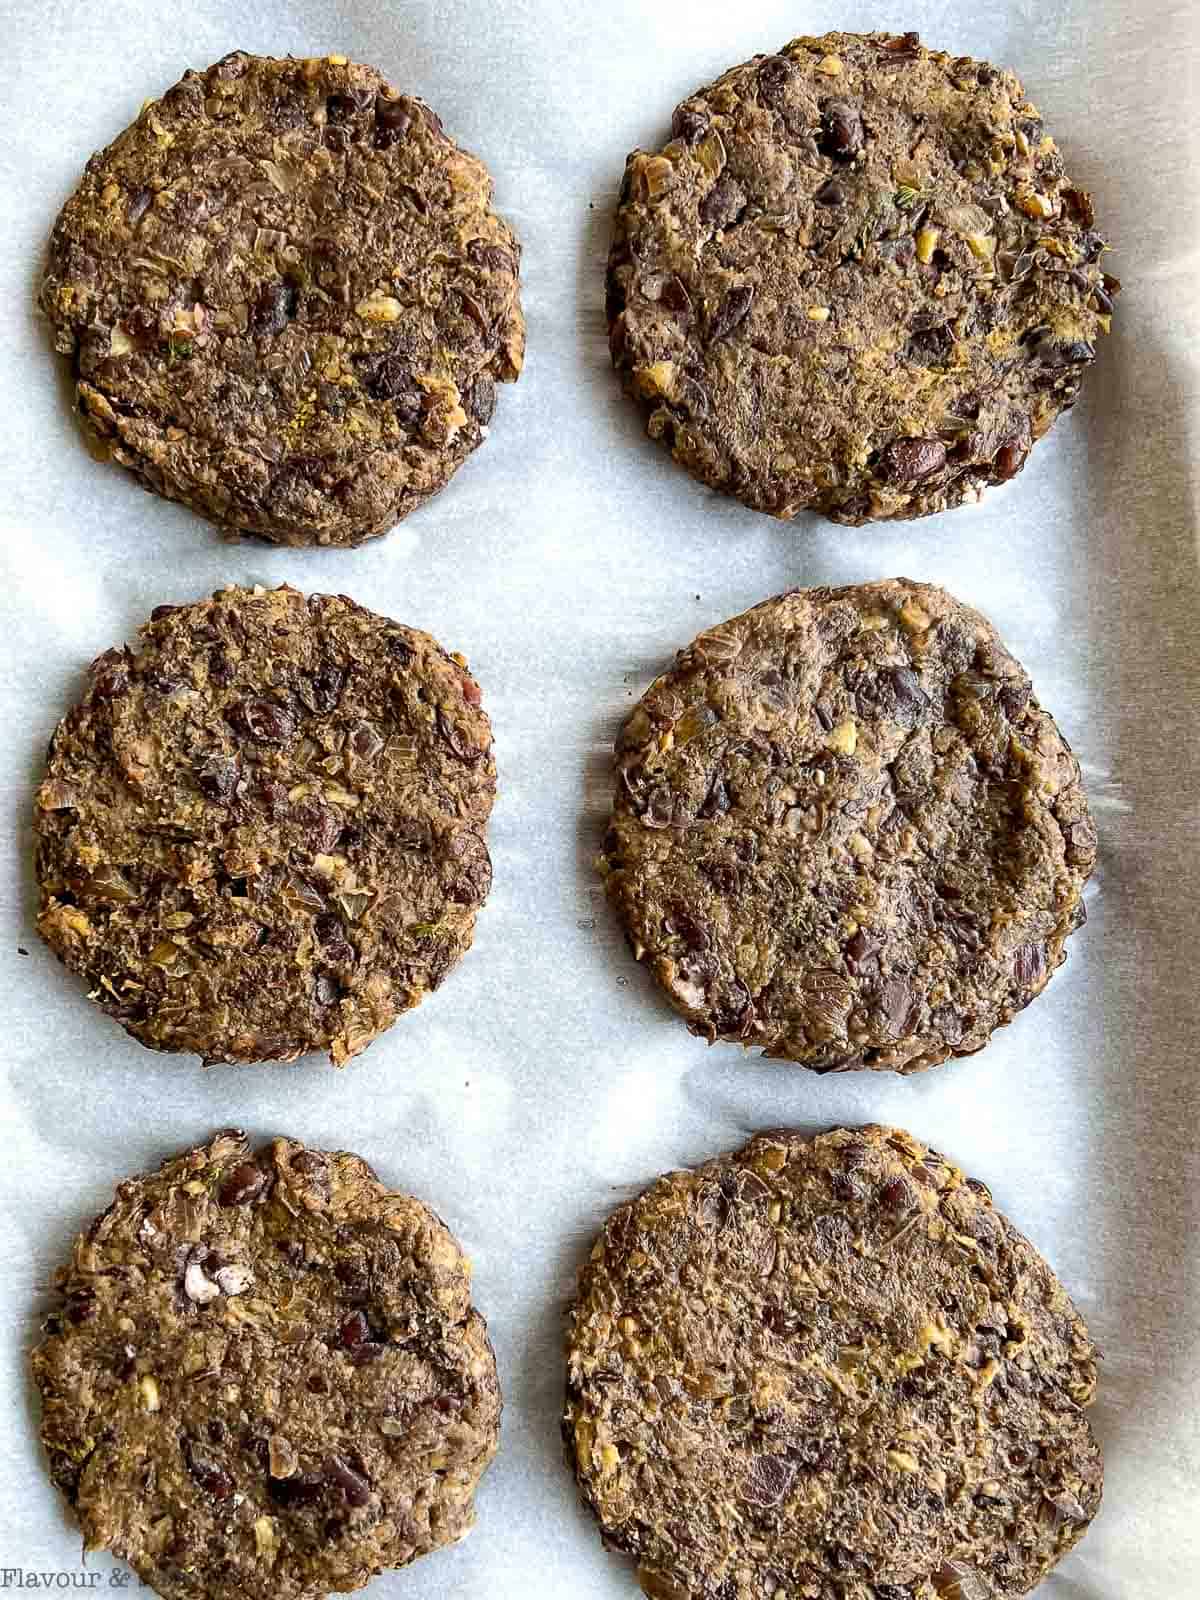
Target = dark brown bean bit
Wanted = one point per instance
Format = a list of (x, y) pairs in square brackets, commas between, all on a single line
[(275, 307), (475, 881), (302, 1490), (862, 954), (898, 1194), (908, 697), (220, 669), (930, 347), (732, 310), (81, 1306), (902, 252), (332, 937), (898, 1007), (774, 76), (689, 124), (716, 802), (1103, 300), (1079, 207), (832, 193), (327, 685), (911, 460), (352, 1484), (354, 1281), (341, 107), (475, 311), (481, 399), (207, 1473), (244, 1184), (1010, 458), (217, 777), (686, 927), (326, 989), (949, 1024), (844, 1187), (140, 202), (768, 1480), (262, 720), (723, 203), (675, 297), (841, 131), (492, 257), (321, 825), (390, 378), (1029, 964), (1014, 696), (393, 120), (109, 675), (355, 1331), (855, 1155), (723, 875), (1054, 353)]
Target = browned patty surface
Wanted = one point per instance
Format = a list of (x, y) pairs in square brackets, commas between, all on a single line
[(845, 832), (857, 280), (266, 1379), (286, 299), (828, 1369), (262, 832)]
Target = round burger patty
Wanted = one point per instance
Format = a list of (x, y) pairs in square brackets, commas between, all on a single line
[(262, 832), (857, 280), (286, 299), (845, 832), (265, 1379), (828, 1367)]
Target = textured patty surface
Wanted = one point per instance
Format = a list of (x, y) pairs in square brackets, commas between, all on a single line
[(827, 1368), (857, 280), (262, 832), (286, 299), (844, 830), (266, 1379)]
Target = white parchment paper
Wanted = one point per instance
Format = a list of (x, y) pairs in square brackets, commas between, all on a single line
[(569, 560)]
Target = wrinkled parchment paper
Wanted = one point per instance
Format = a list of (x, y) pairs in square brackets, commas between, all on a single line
[(569, 560)]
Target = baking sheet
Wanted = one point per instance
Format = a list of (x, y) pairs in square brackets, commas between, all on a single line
[(568, 560)]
